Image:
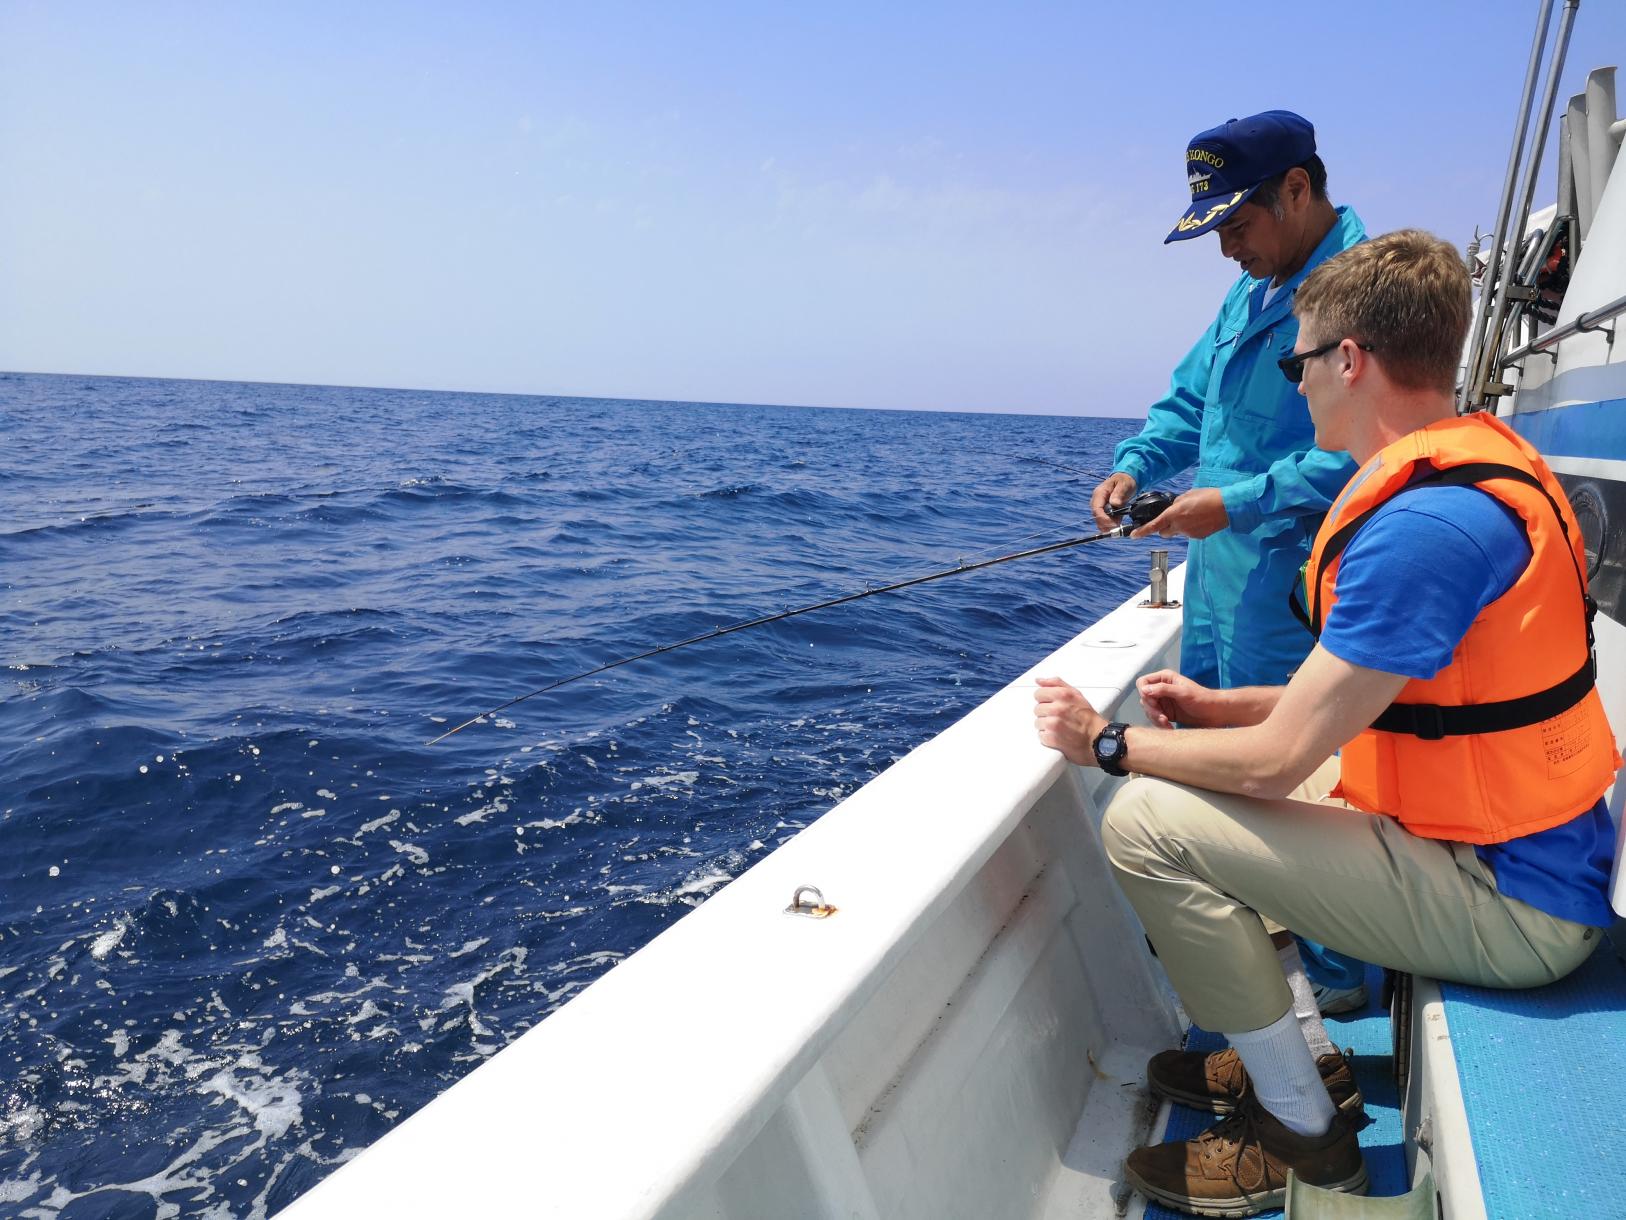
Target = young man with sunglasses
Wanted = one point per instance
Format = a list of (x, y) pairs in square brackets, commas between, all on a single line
[(1453, 672)]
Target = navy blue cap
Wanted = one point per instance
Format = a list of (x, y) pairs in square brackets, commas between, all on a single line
[(1228, 163)]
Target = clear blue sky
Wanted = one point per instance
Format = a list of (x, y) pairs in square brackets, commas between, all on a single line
[(938, 206)]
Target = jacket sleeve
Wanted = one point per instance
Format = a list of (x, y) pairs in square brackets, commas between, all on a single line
[(1297, 485), (1168, 443)]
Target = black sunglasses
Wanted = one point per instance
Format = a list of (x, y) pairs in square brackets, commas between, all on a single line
[(1292, 367)]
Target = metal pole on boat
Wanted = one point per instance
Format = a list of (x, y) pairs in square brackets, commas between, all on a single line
[(1575, 126), (1489, 359), (1601, 149), (1142, 510), (1567, 198), (1499, 236)]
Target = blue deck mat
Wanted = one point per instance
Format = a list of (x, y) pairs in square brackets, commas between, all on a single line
[(1541, 1076), (1367, 1032)]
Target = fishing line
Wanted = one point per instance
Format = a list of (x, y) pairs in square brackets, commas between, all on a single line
[(962, 557), (1141, 510), (1028, 457), (1112, 510)]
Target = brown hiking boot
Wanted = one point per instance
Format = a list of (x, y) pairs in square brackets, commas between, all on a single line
[(1217, 1082), (1238, 1167)]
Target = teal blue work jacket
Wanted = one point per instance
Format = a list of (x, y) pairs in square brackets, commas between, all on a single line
[(1231, 414)]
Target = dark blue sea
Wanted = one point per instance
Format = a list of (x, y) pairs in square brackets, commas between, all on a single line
[(248, 919)]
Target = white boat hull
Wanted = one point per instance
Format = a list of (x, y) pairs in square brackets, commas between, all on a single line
[(965, 1036)]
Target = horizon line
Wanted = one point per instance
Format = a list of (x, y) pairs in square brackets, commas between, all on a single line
[(695, 402)]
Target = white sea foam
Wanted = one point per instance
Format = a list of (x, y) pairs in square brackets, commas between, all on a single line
[(411, 851), (366, 1012), (286, 806), (108, 940), (368, 827), (20, 1189), (554, 823), (512, 960), (273, 1105), (411, 959), (481, 814), (586, 961), (702, 884), (21, 1123), (685, 778)]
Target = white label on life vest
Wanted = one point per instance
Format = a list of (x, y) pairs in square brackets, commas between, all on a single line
[(1565, 739)]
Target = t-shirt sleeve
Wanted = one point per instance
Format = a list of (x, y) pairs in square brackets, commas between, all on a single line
[(1415, 577)]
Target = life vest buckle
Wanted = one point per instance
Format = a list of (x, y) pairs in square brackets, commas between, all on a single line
[(1429, 721)]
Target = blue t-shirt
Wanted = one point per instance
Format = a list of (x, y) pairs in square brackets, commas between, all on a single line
[(1411, 582)]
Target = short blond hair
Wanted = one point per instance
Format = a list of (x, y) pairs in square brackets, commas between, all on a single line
[(1406, 293)]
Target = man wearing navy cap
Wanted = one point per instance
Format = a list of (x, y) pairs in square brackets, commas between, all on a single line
[(1261, 484)]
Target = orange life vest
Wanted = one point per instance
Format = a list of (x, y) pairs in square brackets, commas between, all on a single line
[(1510, 738)]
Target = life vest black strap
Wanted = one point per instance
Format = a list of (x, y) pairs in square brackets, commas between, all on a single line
[(1334, 548), (1297, 607), (1432, 721)]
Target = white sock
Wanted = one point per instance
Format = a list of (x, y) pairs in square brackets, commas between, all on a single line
[(1305, 1008), (1284, 1075)]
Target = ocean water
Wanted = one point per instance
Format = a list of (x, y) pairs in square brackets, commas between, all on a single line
[(248, 919)]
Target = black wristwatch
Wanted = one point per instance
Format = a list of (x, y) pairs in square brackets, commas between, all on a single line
[(1111, 750)]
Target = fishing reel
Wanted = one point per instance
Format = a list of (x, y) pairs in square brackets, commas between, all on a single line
[(1142, 510)]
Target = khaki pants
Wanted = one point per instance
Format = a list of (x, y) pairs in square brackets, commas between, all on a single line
[(1205, 870)]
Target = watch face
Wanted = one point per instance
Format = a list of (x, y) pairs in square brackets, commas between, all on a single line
[(1108, 746)]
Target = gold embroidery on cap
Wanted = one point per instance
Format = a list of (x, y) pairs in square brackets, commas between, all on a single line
[(1188, 223)]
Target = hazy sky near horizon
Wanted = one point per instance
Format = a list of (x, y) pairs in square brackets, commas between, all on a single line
[(935, 206)]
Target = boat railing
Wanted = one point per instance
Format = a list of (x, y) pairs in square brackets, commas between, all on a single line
[(1600, 319), (1504, 211), (1528, 260)]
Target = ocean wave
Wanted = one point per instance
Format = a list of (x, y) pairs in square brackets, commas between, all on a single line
[(99, 524)]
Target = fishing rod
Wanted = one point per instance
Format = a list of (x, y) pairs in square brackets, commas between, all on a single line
[(1141, 510), (1029, 457)]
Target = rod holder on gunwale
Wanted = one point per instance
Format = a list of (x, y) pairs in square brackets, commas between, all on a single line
[(1158, 596)]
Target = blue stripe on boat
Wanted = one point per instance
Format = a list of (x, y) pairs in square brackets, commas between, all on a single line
[(1584, 429)]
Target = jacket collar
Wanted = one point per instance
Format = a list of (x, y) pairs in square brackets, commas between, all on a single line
[(1346, 230)]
